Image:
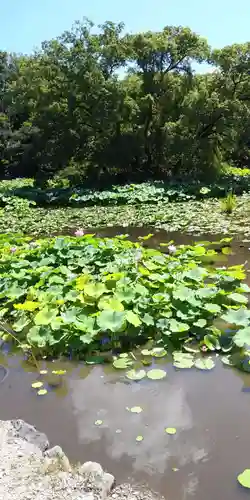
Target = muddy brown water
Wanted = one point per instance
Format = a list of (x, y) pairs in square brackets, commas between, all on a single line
[(211, 412)]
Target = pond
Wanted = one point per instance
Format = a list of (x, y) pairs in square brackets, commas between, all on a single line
[(210, 411)]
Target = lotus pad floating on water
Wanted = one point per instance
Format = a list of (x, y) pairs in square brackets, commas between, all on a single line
[(204, 364), (98, 422), (122, 363), (159, 352), (139, 439), (135, 409), (170, 430), (42, 392), (183, 360), (244, 478), (37, 385), (146, 352), (136, 375), (156, 374)]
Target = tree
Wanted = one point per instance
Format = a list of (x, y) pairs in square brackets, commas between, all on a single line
[(118, 107)]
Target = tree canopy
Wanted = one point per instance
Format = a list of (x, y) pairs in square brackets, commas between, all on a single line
[(108, 106)]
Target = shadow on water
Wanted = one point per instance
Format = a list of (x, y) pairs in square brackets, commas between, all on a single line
[(210, 411)]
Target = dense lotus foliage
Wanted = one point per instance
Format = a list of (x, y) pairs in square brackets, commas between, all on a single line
[(85, 295)]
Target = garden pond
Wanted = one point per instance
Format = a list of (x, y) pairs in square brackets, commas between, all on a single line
[(185, 436)]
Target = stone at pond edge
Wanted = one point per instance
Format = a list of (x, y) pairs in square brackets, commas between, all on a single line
[(57, 454), (88, 481), (103, 481), (22, 430)]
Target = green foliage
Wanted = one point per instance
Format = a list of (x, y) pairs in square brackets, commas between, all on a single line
[(86, 294), (244, 478), (65, 114), (190, 216), (131, 194), (229, 203)]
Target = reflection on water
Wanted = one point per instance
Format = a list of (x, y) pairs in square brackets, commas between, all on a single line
[(210, 411)]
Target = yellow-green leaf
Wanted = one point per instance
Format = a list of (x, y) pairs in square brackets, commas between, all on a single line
[(42, 392), (170, 430), (139, 439), (133, 318), (36, 385), (27, 306)]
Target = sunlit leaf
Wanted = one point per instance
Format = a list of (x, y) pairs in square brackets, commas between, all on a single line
[(159, 352), (145, 238), (136, 375), (238, 298), (238, 317), (156, 374), (98, 422), (45, 316), (36, 385), (110, 303), (27, 306), (146, 352), (94, 290), (177, 326), (242, 337), (148, 319), (170, 430), (191, 345), (204, 364), (135, 409), (226, 360), (183, 360), (42, 392), (111, 320), (122, 363), (139, 439), (244, 478), (133, 318), (212, 308), (200, 323), (211, 342)]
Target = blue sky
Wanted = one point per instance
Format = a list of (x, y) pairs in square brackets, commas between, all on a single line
[(24, 24)]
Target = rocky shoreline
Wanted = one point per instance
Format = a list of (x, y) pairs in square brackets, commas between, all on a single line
[(31, 470)]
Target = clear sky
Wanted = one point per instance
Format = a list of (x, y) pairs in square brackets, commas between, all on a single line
[(24, 24)]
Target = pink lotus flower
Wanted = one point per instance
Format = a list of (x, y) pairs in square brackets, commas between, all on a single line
[(204, 348), (172, 249), (79, 232), (13, 249)]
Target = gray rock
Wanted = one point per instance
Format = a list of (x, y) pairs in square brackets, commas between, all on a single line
[(58, 454), (28, 473), (91, 468), (108, 484), (86, 496), (102, 481), (22, 430), (54, 452)]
